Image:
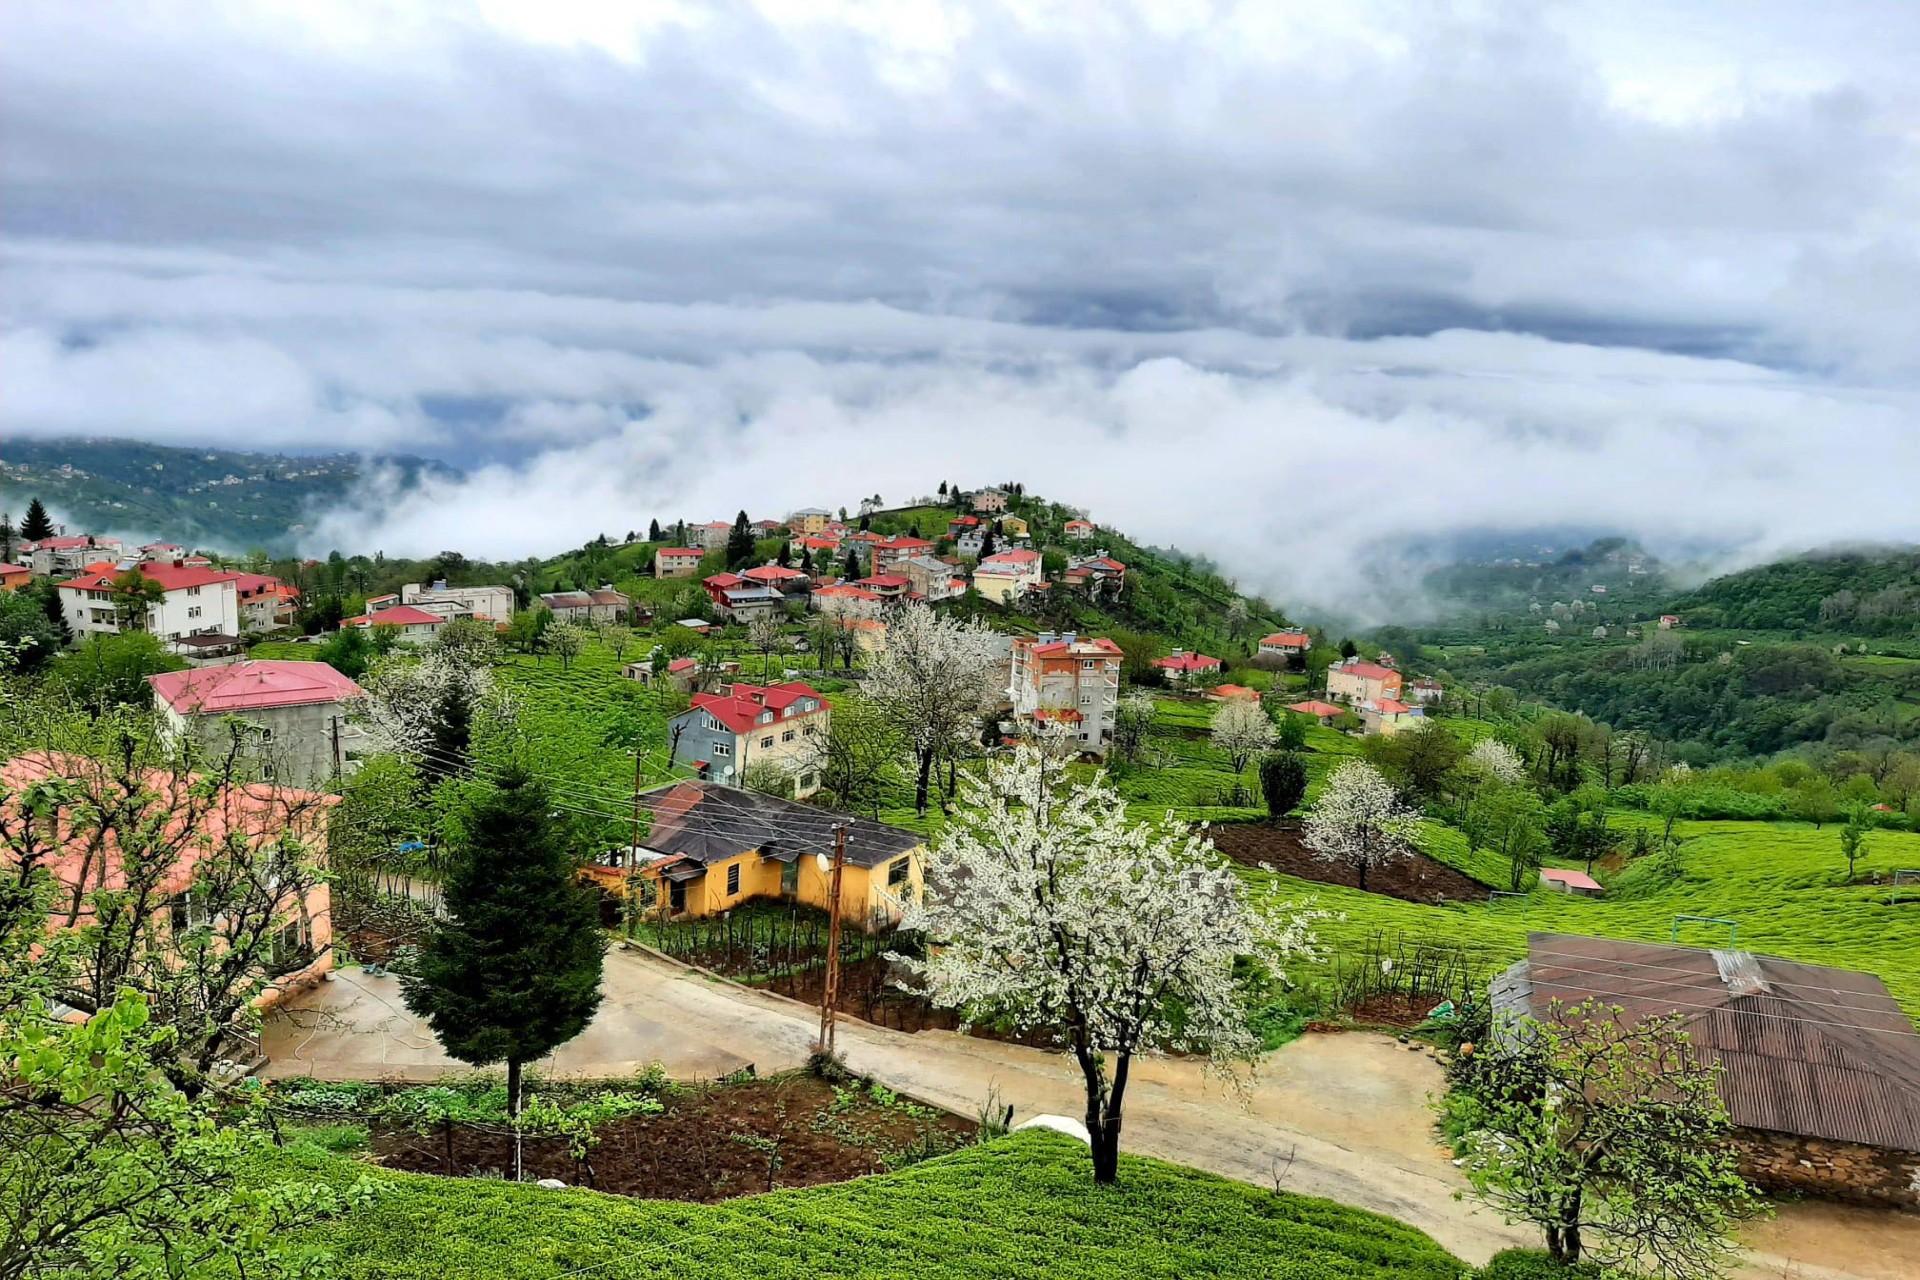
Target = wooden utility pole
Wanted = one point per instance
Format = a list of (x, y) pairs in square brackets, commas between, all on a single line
[(831, 995)]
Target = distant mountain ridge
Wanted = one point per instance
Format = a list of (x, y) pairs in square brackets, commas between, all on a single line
[(223, 499)]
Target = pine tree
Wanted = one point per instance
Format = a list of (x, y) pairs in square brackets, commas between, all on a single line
[(986, 544), (852, 569), (653, 531), (866, 524), (6, 536), (785, 557), (943, 488), (38, 524), (513, 972), (740, 543)]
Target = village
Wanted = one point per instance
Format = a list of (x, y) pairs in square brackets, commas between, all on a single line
[(773, 752)]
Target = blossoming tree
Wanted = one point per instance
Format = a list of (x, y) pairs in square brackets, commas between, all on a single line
[(1361, 821), (932, 681), (1047, 908)]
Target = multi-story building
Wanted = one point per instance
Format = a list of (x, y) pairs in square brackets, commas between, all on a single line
[(713, 536), (1356, 680), (930, 579), (1070, 681), (888, 554), (809, 520), (266, 604), (1007, 575), (483, 604), (289, 716), (587, 607), (194, 602), (989, 500), (677, 562), (56, 557), (1078, 530), (742, 726), (1285, 644), (411, 626)]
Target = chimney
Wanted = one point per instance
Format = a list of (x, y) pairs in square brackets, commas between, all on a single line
[(1046, 637), (1178, 652), (1070, 637), (179, 564)]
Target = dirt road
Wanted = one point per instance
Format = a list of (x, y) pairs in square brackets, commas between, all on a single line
[(1341, 1116)]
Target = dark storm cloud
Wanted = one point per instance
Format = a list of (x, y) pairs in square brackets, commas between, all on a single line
[(1625, 265)]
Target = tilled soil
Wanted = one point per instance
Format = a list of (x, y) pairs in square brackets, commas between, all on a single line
[(711, 1144), (1417, 878)]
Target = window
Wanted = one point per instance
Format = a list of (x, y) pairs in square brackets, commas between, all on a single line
[(677, 898), (193, 591), (785, 737), (733, 879), (1086, 664), (766, 743), (808, 782), (1086, 699), (194, 611), (723, 748), (897, 872)]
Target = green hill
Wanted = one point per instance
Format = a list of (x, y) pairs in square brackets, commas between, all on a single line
[(215, 499), (1024, 1206)]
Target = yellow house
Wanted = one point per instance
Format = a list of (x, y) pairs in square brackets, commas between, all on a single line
[(1013, 526), (711, 848)]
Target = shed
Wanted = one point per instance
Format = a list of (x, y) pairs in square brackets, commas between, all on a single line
[(1571, 882)]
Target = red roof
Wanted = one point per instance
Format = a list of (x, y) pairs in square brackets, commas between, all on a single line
[(172, 577), (842, 591), (1288, 640), (1188, 662), (885, 580), (250, 685), (1572, 879), (1102, 562), (1058, 648), (682, 664), (67, 544), (1079, 524), (815, 543), (724, 581), (1235, 691), (904, 543), (1316, 708), (1391, 707), (772, 573), (964, 520), (743, 704), (1365, 670), (400, 616), (7, 570), (1010, 559)]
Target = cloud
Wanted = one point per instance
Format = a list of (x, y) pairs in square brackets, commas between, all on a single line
[(1280, 282)]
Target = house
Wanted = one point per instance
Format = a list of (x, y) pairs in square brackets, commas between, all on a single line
[(1818, 1067), (1388, 716), (163, 551), (1007, 575), (766, 528), (83, 863), (1014, 526), (59, 556), (710, 848), (291, 716), (678, 674), (971, 543), (735, 598), (1576, 882), (14, 576), (930, 579), (712, 536), (411, 626), (1182, 667), (266, 604), (1233, 693), (1079, 530), (1099, 575), (1427, 692), (817, 545), (1668, 621), (961, 525), (740, 727), (1325, 712), (844, 598), (988, 500), (483, 604), (194, 601), (1069, 681), (583, 608), (699, 626), (1356, 680), (809, 520), (677, 562), (891, 551), (1285, 645), (869, 634), (887, 586), (776, 577)]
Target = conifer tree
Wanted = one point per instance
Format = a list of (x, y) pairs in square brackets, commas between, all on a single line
[(38, 524), (513, 972), (740, 543), (6, 535), (653, 531), (852, 569)]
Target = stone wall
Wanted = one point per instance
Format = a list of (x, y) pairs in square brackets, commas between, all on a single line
[(1873, 1176)]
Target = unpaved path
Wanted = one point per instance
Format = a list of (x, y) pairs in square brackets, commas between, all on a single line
[(1340, 1116)]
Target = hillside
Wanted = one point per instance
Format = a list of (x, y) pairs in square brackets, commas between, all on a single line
[(216, 499), (1024, 1206)]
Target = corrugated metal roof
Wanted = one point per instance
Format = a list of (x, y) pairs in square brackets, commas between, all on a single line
[(1806, 1049), (706, 822)]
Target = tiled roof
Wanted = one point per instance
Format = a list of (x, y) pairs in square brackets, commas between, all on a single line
[(1288, 640), (1365, 670), (399, 616), (1187, 662), (172, 577), (251, 685), (1316, 708), (742, 704), (1010, 559)]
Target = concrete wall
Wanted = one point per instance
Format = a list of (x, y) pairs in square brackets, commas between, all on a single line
[(301, 746), (1875, 1176)]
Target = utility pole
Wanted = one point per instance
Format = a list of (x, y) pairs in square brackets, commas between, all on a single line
[(336, 749), (631, 863), (831, 995)]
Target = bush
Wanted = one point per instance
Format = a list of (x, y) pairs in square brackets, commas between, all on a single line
[(1535, 1264), (1705, 802)]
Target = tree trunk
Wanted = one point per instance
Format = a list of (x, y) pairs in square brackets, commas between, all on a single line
[(920, 787), (513, 1088), (1363, 877)]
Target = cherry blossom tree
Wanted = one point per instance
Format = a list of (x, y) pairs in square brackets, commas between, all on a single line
[(1242, 730), (1496, 760), (1361, 820), (932, 681), (1048, 909), (430, 709)]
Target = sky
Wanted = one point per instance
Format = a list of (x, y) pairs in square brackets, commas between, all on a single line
[(1291, 284)]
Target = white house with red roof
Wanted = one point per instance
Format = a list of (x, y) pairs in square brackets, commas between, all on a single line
[(1285, 644), (1069, 681), (677, 562), (845, 598), (195, 601), (743, 726), (776, 577), (1008, 575), (1099, 575), (1079, 530), (410, 625), (1182, 666), (291, 717)]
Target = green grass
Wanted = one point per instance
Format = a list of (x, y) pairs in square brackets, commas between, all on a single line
[(1781, 883), (1023, 1206)]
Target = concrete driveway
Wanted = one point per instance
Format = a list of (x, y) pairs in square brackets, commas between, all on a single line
[(1341, 1116)]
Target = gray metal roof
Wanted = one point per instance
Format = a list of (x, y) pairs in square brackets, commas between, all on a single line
[(707, 822)]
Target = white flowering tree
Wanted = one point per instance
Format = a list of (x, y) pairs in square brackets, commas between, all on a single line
[(1361, 821), (430, 709), (1046, 908), (1242, 730), (932, 682), (1497, 761)]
